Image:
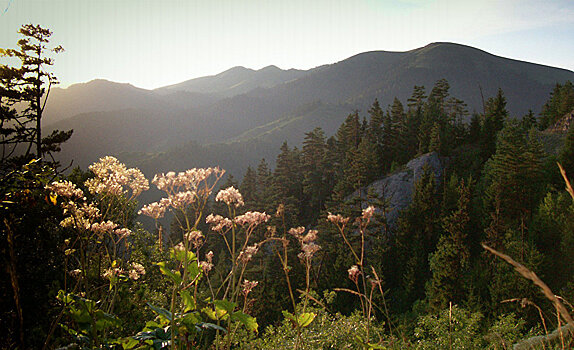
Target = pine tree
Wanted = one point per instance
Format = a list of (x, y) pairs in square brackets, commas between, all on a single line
[(29, 87)]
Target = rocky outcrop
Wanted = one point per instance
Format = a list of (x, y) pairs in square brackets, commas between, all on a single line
[(397, 188), (562, 125)]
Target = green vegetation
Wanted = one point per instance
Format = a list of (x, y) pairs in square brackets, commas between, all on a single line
[(301, 256)]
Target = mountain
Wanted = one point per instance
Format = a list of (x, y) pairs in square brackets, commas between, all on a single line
[(95, 96), (235, 81), (207, 119)]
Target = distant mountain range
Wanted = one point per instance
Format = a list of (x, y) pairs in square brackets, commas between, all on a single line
[(235, 118)]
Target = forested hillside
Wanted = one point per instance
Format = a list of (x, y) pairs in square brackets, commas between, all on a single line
[(238, 116), (414, 223)]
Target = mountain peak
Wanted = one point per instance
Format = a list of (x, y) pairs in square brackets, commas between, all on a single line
[(271, 68)]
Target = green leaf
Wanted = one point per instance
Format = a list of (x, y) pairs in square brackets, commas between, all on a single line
[(305, 319), (207, 325), (302, 320), (188, 301), (175, 277), (162, 312), (193, 270), (224, 305), (248, 321), (217, 314), (180, 255), (129, 343)]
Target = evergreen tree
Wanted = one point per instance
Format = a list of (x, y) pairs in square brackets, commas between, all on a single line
[(375, 135), (450, 262), (248, 188), (561, 102), (513, 179), (263, 186), (416, 237), (288, 183), (29, 87), (566, 155), (529, 121), (316, 188), (434, 111), (494, 118)]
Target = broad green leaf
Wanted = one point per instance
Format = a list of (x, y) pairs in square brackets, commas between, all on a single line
[(305, 319), (175, 277), (161, 311), (129, 343), (217, 314), (225, 305), (193, 270), (180, 255), (249, 322), (188, 301), (206, 325)]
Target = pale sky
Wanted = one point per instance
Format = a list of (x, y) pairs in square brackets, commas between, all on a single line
[(156, 43)]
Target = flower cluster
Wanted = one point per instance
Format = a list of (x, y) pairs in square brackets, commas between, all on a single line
[(252, 218), (195, 237), (136, 271), (111, 176), (103, 227), (113, 272), (80, 216), (65, 189), (155, 210), (308, 250), (185, 180), (122, 232), (75, 273), (308, 245), (218, 223), (230, 196), (248, 286), (354, 273), (182, 190), (368, 212), (181, 200), (207, 265), (337, 219), (247, 254)]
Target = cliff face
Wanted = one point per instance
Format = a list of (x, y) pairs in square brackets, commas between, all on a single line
[(397, 189)]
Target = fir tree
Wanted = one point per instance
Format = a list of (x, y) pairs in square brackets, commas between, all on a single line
[(450, 262), (494, 118)]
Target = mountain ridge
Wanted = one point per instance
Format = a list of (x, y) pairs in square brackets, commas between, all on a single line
[(271, 105)]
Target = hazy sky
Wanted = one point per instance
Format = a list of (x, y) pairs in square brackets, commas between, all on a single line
[(155, 43)]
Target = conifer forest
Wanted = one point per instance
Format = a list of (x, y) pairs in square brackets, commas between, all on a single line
[(311, 250)]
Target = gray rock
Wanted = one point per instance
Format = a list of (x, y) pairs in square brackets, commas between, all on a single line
[(397, 188)]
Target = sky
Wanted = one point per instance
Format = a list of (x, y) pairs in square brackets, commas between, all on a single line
[(154, 43)]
